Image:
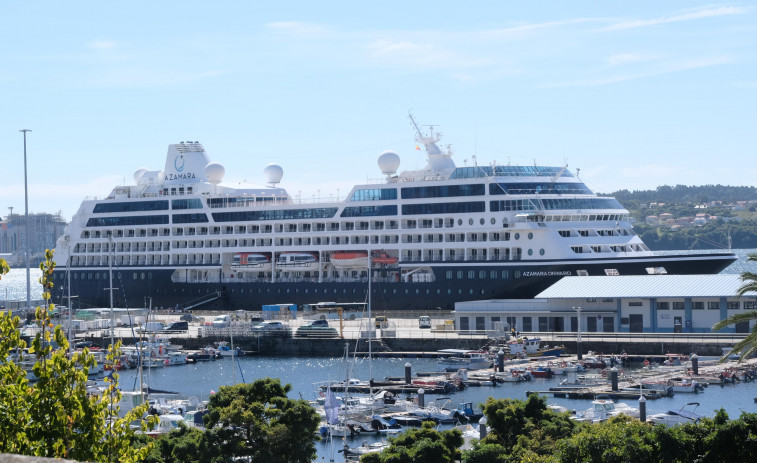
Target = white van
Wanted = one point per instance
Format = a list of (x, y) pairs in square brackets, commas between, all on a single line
[(424, 322)]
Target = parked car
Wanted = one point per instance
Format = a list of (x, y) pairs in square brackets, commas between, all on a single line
[(424, 321), (381, 321), (272, 328), (221, 321), (317, 328), (188, 317), (177, 327)]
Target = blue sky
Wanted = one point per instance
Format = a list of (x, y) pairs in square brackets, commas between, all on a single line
[(635, 95)]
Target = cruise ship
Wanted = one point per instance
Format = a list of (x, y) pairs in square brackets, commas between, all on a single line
[(419, 239)]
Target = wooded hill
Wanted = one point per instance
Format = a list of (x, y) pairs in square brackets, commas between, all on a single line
[(687, 201)]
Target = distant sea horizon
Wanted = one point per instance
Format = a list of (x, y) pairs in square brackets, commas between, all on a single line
[(13, 285)]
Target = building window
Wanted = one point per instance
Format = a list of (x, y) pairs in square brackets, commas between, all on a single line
[(634, 304), (698, 305), (678, 306), (734, 305), (713, 305), (527, 324), (748, 305), (663, 306)]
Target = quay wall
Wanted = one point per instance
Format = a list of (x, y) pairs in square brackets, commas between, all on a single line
[(408, 347)]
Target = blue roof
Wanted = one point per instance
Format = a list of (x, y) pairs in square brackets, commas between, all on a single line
[(645, 286)]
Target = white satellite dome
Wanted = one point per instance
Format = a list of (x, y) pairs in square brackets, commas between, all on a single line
[(139, 173), (389, 162), (215, 172), (273, 173)]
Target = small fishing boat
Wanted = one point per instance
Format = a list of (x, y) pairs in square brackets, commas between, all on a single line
[(687, 385), (541, 372), (530, 347), (364, 449), (455, 359)]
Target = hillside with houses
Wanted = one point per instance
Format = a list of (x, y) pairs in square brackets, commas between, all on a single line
[(694, 217)]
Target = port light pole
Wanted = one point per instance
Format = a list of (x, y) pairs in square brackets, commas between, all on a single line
[(26, 230), (578, 334)]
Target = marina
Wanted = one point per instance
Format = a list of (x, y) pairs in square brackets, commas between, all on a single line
[(303, 372)]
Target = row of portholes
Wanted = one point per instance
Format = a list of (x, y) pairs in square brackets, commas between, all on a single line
[(97, 276), (471, 274), (531, 252), (481, 221), (354, 291)]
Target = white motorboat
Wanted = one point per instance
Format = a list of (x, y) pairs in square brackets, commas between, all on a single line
[(604, 409), (683, 415)]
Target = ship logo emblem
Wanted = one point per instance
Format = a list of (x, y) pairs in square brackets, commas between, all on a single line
[(178, 163)]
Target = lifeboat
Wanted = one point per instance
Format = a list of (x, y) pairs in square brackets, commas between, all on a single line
[(349, 259), (296, 261), (384, 258), (251, 261)]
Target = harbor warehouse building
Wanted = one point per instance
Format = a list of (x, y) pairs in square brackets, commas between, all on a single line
[(634, 303)]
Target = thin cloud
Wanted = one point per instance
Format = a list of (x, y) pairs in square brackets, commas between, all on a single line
[(621, 59), (101, 44), (700, 14), (298, 28), (667, 68), (415, 54), (528, 29)]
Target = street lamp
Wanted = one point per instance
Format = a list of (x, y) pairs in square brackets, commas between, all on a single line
[(26, 230), (578, 334)]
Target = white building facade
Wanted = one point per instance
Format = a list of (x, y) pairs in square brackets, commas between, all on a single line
[(642, 303)]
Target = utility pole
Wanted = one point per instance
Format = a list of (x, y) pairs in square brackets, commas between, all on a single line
[(26, 230)]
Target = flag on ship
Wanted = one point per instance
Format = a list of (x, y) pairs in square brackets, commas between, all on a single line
[(417, 147), (331, 407)]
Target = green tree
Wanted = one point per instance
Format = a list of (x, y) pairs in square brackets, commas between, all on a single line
[(621, 439), (57, 415), (258, 421), (420, 445), (747, 346), (525, 427)]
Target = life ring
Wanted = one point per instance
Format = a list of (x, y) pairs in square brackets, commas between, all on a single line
[(646, 362), (322, 394), (563, 364)]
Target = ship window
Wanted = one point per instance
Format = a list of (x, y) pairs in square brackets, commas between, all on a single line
[(470, 291), (374, 194), (133, 206), (470, 221), (530, 235), (493, 221), (459, 291), (517, 236), (459, 221), (516, 274), (482, 274), (444, 191), (482, 221), (449, 291), (530, 252), (541, 252), (134, 276), (448, 274)]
